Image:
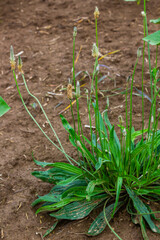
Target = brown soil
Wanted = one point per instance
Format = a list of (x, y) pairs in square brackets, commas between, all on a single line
[(43, 30)]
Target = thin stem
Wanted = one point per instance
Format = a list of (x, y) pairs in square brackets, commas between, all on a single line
[(149, 58), (130, 126), (143, 79), (156, 56), (62, 150), (43, 113), (126, 103)]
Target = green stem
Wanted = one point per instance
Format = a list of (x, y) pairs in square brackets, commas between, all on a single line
[(156, 55), (62, 150), (96, 32), (126, 103), (143, 79), (130, 126), (43, 113), (149, 58)]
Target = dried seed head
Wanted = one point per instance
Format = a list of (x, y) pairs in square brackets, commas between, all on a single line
[(78, 89), (120, 119), (143, 14), (139, 52), (96, 13), (20, 65), (107, 102), (74, 31), (124, 132), (79, 144), (152, 119), (12, 58), (69, 91), (95, 52)]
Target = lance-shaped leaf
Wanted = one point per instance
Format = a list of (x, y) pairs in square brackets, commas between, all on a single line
[(55, 206), (53, 175), (50, 229), (142, 209), (118, 191), (99, 223), (61, 165), (77, 210)]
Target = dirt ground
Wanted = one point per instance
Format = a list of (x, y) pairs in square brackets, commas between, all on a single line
[(43, 30)]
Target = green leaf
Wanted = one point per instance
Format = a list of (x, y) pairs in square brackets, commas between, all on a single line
[(3, 107), (77, 210), (68, 167), (68, 180), (156, 21), (51, 229), (153, 39), (109, 126), (101, 128), (114, 148), (58, 205), (99, 223), (81, 192), (92, 184), (143, 228), (118, 191), (53, 175), (135, 134), (74, 138), (142, 209), (47, 198), (65, 166)]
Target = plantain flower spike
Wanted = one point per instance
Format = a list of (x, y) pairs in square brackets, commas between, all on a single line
[(96, 13), (78, 90), (139, 52), (95, 52), (120, 119), (143, 14), (20, 65), (74, 31), (69, 91), (12, 58)]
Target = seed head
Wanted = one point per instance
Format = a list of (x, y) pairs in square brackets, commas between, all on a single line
[(12, 58), (95, 52), (96, 13), (120, 119), (124, 132), (78, 89), (143, 14), (69, 91), (74, 31), (152, 119), (20, 65), (139, 52), (107, 102)]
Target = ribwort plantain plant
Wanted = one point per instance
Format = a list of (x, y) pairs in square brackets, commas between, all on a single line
[(116, 172)]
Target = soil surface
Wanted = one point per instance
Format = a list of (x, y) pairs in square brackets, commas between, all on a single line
[(43, 29)]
